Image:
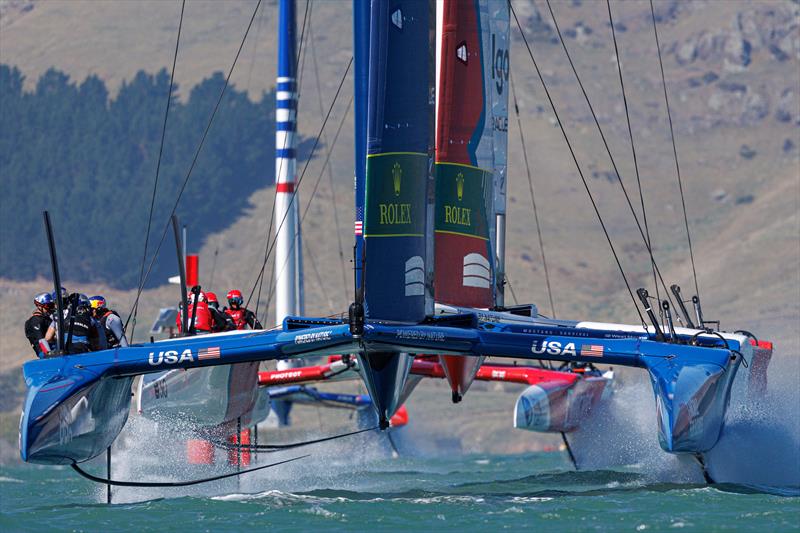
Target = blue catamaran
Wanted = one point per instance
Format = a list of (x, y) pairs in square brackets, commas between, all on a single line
[(411, 202)]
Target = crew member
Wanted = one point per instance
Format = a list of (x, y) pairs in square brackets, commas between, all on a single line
[(203, 320), (36, 326), (64, 303), (241, 316), (78, 326), (222, 322), (112, 332)]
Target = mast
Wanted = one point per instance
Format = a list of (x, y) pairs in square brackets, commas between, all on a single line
[(499, 28), (288, 268), (396, 181)]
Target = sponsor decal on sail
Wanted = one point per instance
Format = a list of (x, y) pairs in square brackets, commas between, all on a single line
[(476, 271), (397, 19), (394, 207), (415, 276), (461, 52)]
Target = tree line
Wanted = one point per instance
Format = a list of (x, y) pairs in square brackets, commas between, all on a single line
[(91, 161)]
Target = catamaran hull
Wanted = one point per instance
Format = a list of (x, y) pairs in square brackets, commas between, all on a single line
[(79, 428), (558, 406), (385, 375), (460, 372), (207, 397)]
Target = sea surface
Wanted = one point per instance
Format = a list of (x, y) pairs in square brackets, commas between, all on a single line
[(337, 488)]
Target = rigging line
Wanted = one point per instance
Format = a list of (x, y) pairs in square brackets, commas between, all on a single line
[(605, 144), (255, 50), (194, 161), (325, 294), (299, 71), (633, 152), (118, 483), (533, 200), (334, 203), (213, 267), (577, 165), (270, 286), (316, 185), (674, 149), (160, 153), (305, 168), (511, 290)]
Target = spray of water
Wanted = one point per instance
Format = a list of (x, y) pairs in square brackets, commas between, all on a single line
[(156, 452), (760, 444)]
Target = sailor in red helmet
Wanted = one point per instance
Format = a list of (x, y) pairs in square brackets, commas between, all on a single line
[(198, 316), (222, 322), (241, 316)]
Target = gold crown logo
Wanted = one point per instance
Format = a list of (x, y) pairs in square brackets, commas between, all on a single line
[(460, 186), (397, 175)]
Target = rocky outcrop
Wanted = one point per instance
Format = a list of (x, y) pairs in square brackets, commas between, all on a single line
[(771, 29), (733, 91)]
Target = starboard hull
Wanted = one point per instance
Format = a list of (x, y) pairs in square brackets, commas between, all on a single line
[(206, 397)]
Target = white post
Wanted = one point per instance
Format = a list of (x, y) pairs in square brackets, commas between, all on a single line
[(288, 246)]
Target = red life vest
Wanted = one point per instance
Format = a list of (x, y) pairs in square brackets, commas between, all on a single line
[(239, 317), (203, 320)]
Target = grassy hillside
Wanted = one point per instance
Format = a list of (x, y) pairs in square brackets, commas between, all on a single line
[(732, 77)]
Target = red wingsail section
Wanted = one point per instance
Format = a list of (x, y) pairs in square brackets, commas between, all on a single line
[(463, 267), (464, 273)]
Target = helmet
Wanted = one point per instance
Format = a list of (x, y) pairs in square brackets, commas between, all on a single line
[(44, 301), (235, 298), (97, 302), (212, 300), (201, 296), (83, 301), (64, 294)]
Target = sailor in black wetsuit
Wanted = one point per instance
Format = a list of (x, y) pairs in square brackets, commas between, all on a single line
[(37, 325), (79, 329)]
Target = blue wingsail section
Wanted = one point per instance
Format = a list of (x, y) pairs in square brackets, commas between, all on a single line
[(399, 139), (77, 405), (399, 120), (361, 14)]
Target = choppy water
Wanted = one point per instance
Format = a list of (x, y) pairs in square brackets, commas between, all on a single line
[(349, 493)]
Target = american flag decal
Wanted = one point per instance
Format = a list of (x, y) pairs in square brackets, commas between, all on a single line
[(592, 350), (359, 227), (208, 353)]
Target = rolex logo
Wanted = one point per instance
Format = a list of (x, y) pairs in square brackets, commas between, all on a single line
[(397, 175), (460, 186)]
